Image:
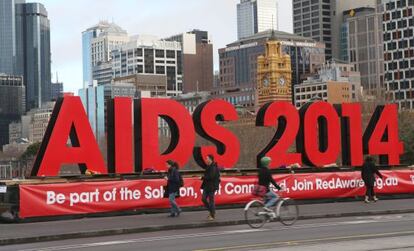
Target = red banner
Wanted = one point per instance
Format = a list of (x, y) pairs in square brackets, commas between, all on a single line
[(110, 196)]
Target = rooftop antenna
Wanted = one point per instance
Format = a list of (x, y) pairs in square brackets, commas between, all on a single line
[(272, 24), (277, 15), (57, 77), (273, 37)]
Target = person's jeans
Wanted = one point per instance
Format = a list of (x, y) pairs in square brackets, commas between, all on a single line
[(271, 199), (175, 209), (370, 191), (208, 200)]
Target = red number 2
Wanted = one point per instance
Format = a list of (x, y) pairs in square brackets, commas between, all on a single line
[(285, 116)]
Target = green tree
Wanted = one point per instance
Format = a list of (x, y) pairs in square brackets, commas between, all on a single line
[(31, 151)]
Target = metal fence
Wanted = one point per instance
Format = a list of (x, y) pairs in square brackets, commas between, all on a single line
[(6, 171), (13, 169)]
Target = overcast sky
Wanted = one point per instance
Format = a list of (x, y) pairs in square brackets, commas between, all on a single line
[(156, 17)]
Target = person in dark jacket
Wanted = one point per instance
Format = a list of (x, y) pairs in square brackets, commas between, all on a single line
[(211, 182), (368, 172), (265, 179), (173, 187)]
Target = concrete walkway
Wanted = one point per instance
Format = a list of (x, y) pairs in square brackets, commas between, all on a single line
[(101, 226)]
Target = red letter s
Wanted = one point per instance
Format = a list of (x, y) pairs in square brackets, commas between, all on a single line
[(227, 146)]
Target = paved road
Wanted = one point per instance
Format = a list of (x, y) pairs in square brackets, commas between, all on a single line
[(383, 232), (99, 226)]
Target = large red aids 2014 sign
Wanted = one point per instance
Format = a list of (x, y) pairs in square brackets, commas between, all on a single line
[(321, 131)]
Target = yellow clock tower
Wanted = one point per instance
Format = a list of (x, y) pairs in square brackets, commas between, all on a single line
[(274, 75)]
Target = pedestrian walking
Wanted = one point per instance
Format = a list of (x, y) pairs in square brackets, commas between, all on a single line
[(368, 172), (173, 187), (211, 183)]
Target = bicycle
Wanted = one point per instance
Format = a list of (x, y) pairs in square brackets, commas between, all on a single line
[(285, 210)]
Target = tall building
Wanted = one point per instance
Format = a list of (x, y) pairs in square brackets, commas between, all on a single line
[(254, 16), (274, 74), (25, 47), (56, 90), (39, 120), (362, 45), (8, 36), (37, 59), (197, 60), (15, 131), (31, 126), (95, 99), (150, 55), (335, 82), (8, 31), (97, 43), (398, 25), (322, 20), (238, 64), (102, 73), (12, 103)]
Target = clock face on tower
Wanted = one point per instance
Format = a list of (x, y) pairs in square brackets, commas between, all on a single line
[(282, 81)]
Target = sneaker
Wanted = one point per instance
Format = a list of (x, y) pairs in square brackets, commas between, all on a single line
[(366, 200), (211, 218), (375, 198), (268, 210), (179, 212), (171, 216)]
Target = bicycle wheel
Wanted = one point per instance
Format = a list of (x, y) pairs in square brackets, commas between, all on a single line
[(254, 214), (288, 212)]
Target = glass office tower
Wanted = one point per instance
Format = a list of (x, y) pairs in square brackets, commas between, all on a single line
[(37, 70), (25, 48), (255, 16)]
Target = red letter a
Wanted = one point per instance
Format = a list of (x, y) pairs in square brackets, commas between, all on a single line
[(68, 120)]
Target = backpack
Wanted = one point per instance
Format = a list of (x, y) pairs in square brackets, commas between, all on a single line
[(181, 180)]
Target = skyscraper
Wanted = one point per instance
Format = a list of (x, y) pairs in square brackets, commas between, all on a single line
[(197, 60), (56, 90), (362, 45), (36, 37), (25, 47), (8, 36), (149, 55), (398, 35), (12, 103), (255, 16), (97, 44), (322, 20)]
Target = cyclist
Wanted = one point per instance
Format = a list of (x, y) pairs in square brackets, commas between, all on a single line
[(265, 178)]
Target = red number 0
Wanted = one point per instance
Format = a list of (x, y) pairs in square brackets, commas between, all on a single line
[(319, 137)]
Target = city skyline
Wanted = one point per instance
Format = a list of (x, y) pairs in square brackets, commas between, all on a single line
[(66, 31)]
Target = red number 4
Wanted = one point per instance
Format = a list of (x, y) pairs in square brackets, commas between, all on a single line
[(381, 136)]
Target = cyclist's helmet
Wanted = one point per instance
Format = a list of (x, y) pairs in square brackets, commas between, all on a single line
[(265, 161)]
